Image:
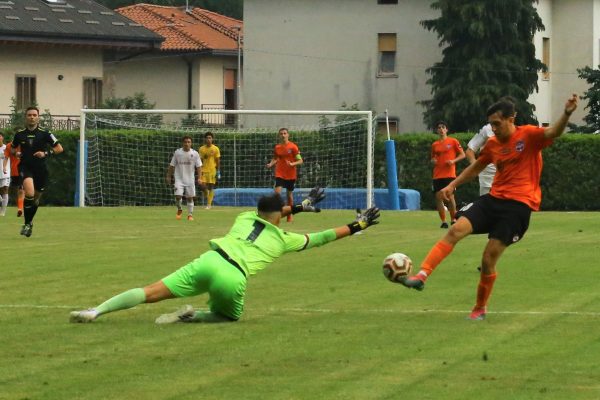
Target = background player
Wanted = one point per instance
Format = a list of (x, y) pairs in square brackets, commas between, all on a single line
[(211, 163), (504, 213), (11, 165), (286, 157), (445, 153), (184, 163), (4, 177), (486, 177), (35, 145), (253, 242)]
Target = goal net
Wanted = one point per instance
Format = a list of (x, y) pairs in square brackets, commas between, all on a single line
[(127, 153)]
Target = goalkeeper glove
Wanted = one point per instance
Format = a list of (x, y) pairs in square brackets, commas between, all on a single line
[(364, 220), (218, 174), (315, 195)]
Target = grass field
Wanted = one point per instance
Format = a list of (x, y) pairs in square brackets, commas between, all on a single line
[(322, 324)]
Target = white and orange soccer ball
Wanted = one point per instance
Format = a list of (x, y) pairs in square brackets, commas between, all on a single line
[(397, 266)]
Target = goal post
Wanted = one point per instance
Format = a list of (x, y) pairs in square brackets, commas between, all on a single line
[(129, 150)]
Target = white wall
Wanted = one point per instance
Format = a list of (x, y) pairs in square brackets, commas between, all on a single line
[(61, 97)]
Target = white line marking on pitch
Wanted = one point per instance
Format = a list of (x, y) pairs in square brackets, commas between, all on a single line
[(330, 311)]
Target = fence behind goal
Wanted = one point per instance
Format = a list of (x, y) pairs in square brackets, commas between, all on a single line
[(128, 152)]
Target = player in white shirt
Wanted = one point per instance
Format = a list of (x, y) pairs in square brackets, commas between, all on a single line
[(184, 164), (4, 177), (486, 177)]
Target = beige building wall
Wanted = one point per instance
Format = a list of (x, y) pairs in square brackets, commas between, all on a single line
[(163, 79), (543, 99), (316, 55), (574, 43), (61, 97)]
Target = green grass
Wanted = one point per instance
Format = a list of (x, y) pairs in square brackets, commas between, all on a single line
[(321, 324)]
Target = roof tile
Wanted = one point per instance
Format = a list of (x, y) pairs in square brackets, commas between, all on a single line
[(197, 29)]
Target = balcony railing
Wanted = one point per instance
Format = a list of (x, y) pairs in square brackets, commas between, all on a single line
[(59, 122)]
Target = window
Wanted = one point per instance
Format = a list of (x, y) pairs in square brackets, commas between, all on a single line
[(25, 87), (387, 54), (382, 126), (92, 92), (546, 57), (387, 1)]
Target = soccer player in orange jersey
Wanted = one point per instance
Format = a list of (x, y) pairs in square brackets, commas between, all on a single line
[(286, 157), (16, 182), (445, 153), (503, 213)]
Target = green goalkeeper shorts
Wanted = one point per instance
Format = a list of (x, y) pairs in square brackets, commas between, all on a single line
[(212, 274)]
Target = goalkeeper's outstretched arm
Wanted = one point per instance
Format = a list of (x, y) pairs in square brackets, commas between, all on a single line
[(364, 220)]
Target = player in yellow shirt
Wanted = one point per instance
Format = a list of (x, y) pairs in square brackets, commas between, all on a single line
[(211, 161)]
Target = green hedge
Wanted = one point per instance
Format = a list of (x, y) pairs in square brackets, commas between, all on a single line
[(569, 181)]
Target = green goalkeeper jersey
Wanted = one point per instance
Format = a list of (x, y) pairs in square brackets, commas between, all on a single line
[(254, 242)]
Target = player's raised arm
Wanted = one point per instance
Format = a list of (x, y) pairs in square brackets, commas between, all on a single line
[(556, 129)]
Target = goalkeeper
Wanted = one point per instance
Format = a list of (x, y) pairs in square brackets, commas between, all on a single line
[(254, 241)]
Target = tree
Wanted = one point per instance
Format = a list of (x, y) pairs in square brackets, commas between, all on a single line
[(231, 8), (592, 95), (488, 53)]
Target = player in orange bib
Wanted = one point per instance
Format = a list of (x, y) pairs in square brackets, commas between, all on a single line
[(16, 182), (286, 157), (503, 213), (445, 153)]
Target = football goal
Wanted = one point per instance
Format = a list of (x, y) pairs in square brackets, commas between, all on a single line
[(124, 154)]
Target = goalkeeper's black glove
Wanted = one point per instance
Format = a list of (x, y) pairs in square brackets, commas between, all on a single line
[(315, 195), (364, 220)]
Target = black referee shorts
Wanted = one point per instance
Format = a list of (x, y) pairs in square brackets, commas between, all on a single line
[(504, 220), (38, 174)]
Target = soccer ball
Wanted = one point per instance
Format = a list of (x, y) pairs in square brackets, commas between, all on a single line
[(397, 266)]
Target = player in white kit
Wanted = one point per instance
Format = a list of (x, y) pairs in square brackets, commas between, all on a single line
[(486, 177), (4, 178), (184, 164)]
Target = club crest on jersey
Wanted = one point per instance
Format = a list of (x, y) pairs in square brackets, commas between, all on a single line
[(520, 146)]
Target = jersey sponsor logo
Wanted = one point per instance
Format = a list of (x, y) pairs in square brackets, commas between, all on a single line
[(520, 146)]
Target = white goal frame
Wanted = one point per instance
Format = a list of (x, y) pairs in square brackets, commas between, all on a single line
[(366, 114)]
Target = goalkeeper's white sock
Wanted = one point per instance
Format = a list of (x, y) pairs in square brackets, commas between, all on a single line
[(190, 206), (4, 204)]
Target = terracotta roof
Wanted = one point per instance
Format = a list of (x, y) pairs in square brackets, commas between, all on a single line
[(198, 29)]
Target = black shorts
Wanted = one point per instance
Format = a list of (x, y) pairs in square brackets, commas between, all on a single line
[(439, 184), (16, 181), (288, 184), (38, 174), (504, 220)]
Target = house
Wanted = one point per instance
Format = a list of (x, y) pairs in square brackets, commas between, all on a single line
[(196, 66), (317, 55), (52, 52)]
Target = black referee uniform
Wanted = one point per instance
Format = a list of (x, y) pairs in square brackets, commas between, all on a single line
[(30, 142)]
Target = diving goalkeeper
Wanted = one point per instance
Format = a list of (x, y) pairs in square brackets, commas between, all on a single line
[(254, 241)]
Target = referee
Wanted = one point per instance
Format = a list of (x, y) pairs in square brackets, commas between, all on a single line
[(33, 145)]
